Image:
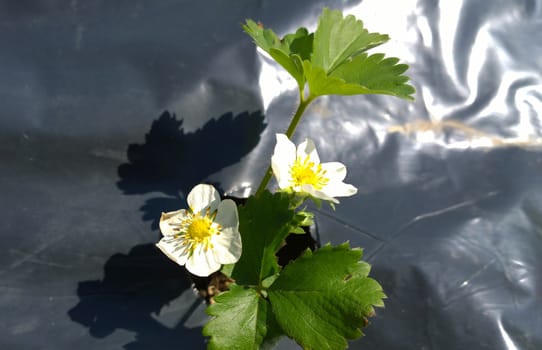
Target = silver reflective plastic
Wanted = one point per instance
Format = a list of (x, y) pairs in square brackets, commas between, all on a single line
[(110, 112), (450, 204)]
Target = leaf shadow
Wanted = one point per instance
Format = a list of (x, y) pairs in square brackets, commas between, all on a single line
[(172, 161), (135, 287), (143, 291)]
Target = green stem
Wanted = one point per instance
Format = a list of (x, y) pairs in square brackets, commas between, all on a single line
[(289, 132), (297, 116)]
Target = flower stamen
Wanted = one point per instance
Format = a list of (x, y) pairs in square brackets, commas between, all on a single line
[(305, 172), (198, 230)]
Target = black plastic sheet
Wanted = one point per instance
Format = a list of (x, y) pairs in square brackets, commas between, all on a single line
[(111, 111)]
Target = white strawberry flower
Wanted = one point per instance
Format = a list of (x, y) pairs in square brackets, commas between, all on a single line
[(299, 169), (204, 237)]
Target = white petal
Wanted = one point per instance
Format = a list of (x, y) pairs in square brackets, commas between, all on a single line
[(307, 148), (173, 250), (283, 158), (202, 262), (227, 246), (202, 197), (335, 171), (227, 215), (318, 194), (340, 189), (167, 221), (282, 173), (285, 148)]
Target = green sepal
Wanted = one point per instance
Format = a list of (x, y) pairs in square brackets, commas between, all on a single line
[(316, 201), (308, 218), (297, 230), (266, 283), (227, 269)]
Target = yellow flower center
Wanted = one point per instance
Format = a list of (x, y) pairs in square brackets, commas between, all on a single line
[(198, 230), (305, 172)]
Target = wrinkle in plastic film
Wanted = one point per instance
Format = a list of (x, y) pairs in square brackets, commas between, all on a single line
[(450, 185)]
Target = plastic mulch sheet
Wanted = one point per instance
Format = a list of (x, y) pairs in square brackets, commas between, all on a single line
[(111, 111)]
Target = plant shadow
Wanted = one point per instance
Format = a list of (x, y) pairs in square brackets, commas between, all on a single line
[(172, 161), (143, 291), (135, 288)]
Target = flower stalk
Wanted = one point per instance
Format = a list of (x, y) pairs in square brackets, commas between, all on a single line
[(303, 104)]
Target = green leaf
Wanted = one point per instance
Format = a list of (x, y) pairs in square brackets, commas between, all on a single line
[(289, 51), (337, 39), (299, 44), (323, 298), (333, 60), (361, 75), (293, 65), (264, 38), (264, 222), (240, 320), (274, 332), (378, 74)]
